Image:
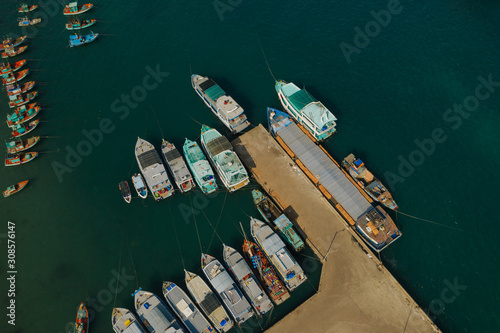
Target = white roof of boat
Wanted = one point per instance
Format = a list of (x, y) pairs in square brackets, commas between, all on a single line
[(124, 321), (150, 307)]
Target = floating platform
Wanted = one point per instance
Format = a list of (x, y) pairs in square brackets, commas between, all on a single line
[(356, 292)]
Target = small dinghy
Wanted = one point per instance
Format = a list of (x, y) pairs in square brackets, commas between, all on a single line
[(82, 320), (14, 188), (125, 191), (77, 40), (139, 185)]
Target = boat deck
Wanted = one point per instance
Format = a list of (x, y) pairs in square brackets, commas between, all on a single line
[(356, 292)]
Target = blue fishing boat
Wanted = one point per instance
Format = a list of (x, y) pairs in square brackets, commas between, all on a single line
[(77, 40), (306, 110)]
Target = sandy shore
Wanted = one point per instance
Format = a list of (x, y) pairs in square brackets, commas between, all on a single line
[(356, 294)]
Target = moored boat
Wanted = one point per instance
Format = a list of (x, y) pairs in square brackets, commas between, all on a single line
[(26, 9), (8, 42), (124, 321), (277, 220), (20, 99), (22, 129), (77, 40), (177, 167), (198, 163), (76, 24), (21, 145), (275, 250), (223, 106), (306, 110), (82, 320), (274, 287), (224, 159), (368, 182), (23, 114), (18, 159), (191, 317), (15, 188), (139, 185), (73, 9), (153, 170), (125, 191), (14, 77), (15, 88), (246, 280), (7, 68), (25, 21), (12, 51), (154, 314), (208, 302), (230, 294)]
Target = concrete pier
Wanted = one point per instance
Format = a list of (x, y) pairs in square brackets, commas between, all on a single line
[(356, 292)]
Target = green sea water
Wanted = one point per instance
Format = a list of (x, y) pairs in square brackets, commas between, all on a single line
[(390, 90)]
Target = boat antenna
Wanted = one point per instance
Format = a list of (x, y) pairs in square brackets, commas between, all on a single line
[(244, 235), (265, 58), (157, 122)]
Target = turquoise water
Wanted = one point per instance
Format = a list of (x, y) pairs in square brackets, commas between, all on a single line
[(74, 231)]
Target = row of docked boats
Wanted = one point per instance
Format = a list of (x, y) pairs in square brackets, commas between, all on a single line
[(194, 170), (236, 291)]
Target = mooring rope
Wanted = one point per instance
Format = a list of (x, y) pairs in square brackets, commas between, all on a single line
[(220, 215), (195, 224), (428, 221)]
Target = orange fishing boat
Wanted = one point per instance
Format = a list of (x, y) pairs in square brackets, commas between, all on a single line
[(15, 77), (21, 145), (20, 130), (8, 42), (14, 188), (19, 99), (82, 320), (15, 89), (12, 51), (73, 9), (8, 68), (22, 114), (18, 159), (25, 8)]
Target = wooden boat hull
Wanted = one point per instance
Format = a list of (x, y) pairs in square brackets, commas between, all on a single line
[(23, 89), (82, 9), (70, 26), (15, 53), (18, 187), (18, 41), (27, 128), (19, 159), (21, 145)]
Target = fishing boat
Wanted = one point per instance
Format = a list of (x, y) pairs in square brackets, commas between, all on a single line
[(15, 188), (21, 145), (153, 170), (73, 9), (184, 308), (154, 314), (177, 167), (265, 272), (15, 88), (7, 68), (246, 280), (26, 9), (76, 24), (197, 162), (22, 114), (277, 220), (124, 321), (12, 51), (139, 186), (20, 99), (368, 182), (306, 110), (224, 159), (8, 42), (77, 40), (223, 106), (25, 21), (208, 302), (275, 250), (18, 159), (82, 320), (125, 190), (22, 129), (230, 294), (14, 77)]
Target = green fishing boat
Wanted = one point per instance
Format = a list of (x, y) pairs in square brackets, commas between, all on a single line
[(198, 163), (277, 220)]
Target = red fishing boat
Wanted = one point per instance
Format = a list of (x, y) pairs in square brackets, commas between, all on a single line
[(15, 77), (20, 130), (82, 320), (14, 188), (21, 145), (18, 100), (18, 159), (73, 9), (8, 42), (25, 8), (266, 274), (8, 68), (12, 51), (14, 89), (23, 114)]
